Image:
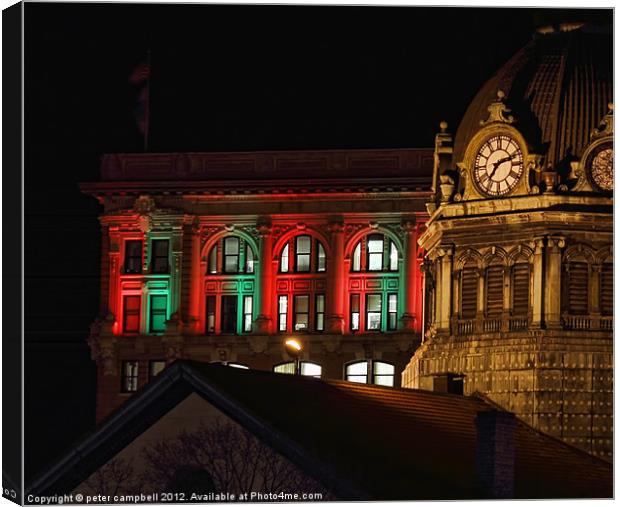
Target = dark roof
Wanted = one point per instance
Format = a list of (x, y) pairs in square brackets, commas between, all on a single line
[(360, 441), (268, 165), (558, 87)]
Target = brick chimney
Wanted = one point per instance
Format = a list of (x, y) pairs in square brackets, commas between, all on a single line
[(495, 453)]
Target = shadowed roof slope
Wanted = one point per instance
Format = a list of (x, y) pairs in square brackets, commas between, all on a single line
[(360, 441)]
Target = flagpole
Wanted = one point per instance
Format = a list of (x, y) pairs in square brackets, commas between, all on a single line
[(147, 111)]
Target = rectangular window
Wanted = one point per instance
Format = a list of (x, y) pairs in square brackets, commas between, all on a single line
[(607, 289), (231, 255), (131, 314), (392, 312), (129, 377), (375, 252), (133, 256), (355, 312), (210, 326), (282, 312), (156, 367), (302, 315), (247, 314), (302, 253), (469, 293), (229, 314), (159, 256), (157, 322), (373, 312), (249, 259), (320, 257), (319, 310)]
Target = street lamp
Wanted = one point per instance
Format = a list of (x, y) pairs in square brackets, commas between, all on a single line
[(293, 348)]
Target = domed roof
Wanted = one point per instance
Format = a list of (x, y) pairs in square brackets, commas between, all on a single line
[(558, 87)]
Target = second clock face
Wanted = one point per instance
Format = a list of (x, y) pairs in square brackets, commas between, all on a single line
[(498, 166)]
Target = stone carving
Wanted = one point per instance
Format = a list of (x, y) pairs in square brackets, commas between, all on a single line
[(498, 112)]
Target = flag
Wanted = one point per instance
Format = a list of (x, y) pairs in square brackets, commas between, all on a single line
[(141, 76)]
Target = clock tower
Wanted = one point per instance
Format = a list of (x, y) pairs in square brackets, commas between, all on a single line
[(518, 248)]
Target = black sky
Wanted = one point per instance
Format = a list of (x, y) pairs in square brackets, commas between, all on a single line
[(223, 78)]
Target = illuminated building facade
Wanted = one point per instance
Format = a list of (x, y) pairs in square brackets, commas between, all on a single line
[(220, 257), (519, 261)]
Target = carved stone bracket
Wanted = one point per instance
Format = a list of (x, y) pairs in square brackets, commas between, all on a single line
[(351, 229), (606, 127)]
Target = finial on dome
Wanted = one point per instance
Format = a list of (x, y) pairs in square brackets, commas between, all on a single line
[(443, 125), (498, 112)]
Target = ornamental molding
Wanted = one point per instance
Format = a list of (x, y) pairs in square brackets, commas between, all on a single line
[(498, 112), (606, 126)]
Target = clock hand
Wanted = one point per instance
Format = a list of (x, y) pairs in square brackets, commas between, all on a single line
[(500, 162)]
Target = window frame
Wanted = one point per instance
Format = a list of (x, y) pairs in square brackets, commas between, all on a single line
[(128, 257), (152, 363), (368, 312), (137, 312), (225, 256), (152, 314), (371, 372), (128, 387), (281, 314), (296, 313), (155, 257), (317, 313)]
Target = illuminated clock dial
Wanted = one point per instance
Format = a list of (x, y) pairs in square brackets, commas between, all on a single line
[(498, 166), (602, 168)]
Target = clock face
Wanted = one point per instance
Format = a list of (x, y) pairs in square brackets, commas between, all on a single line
[(602, 168), (498, 166)]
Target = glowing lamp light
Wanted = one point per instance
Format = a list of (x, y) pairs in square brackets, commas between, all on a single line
[(293, 345)]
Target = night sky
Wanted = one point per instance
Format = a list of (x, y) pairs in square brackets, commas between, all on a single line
[(223, 78)]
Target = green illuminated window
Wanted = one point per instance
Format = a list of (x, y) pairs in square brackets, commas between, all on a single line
[(158, 313)]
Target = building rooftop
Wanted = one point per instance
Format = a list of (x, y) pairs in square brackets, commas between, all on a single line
[(361, 441)]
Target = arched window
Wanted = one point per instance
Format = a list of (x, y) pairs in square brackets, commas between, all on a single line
[(576, 287), (302, 254), (231, 255), (468, 285), (494, 300), (370, 372), (375, 252), (607, 289), (307, 368), (230, 285), (520, 288)]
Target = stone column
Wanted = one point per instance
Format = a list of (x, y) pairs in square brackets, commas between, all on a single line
[(506, 294), (114, 276), (334, 298), (594, 292), (481, 300), (195, 281), (444, 295), (105, 272), (536, 296), (264, 321), (552, 295), (412, 277)]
